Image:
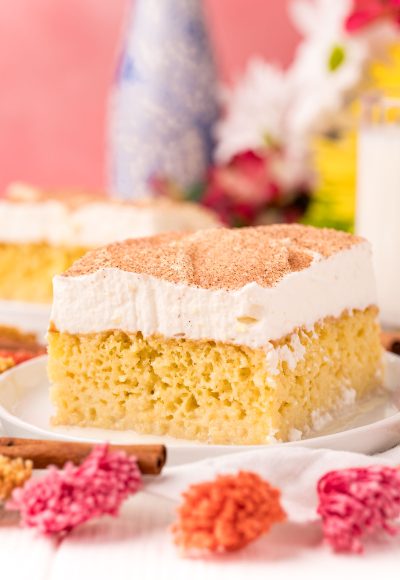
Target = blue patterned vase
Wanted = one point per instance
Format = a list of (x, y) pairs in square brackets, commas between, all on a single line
[(164, 103)]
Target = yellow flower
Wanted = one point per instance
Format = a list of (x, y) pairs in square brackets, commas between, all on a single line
[(13, 473), (335, 156)]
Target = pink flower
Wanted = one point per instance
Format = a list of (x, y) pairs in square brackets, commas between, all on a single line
[(366, 12), (240, 189), (63, 499), (356, 502), (253, 188)]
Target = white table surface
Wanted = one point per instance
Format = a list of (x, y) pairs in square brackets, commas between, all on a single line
[(137, 545)]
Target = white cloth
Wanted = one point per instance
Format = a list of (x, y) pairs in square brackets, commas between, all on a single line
[(295, 471), (138, 544)]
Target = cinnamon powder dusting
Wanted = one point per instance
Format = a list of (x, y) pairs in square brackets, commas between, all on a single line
[(220, 258)]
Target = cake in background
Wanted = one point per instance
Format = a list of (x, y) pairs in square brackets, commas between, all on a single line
[(42, 234), (219, 336), (17, 347)]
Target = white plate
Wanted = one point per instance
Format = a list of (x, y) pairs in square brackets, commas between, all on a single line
[(26, 316), (369, 427)]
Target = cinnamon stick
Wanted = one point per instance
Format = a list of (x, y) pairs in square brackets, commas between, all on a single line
[(391, 341), (151, 458)]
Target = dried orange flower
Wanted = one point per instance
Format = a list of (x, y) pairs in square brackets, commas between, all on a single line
[(227, 514), (13, 473)]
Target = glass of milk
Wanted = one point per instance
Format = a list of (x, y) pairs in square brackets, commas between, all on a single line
[(378, 197)]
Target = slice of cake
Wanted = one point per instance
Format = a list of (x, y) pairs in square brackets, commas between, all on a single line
[(17, 347), (225, 336), (42, 234)]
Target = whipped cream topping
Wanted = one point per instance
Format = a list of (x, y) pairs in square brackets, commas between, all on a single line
[(95, 223), (113, 299)]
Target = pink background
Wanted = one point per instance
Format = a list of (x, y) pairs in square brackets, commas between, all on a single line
[(56, 65)]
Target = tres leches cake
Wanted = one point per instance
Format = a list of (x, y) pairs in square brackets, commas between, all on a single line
[(17, 347), (226, 336), (43, 234)]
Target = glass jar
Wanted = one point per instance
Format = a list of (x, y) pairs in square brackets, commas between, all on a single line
[(378, 197)]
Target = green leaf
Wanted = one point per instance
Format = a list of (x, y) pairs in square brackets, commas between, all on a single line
[(195, 193), (336, 58), (270, 142)]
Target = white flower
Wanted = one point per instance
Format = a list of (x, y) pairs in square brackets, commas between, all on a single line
[(255, 111), (257, 118), (319, 17), (329, 63)]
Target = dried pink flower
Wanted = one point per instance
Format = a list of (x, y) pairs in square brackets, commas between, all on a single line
[(63, 499), (356, 502)]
